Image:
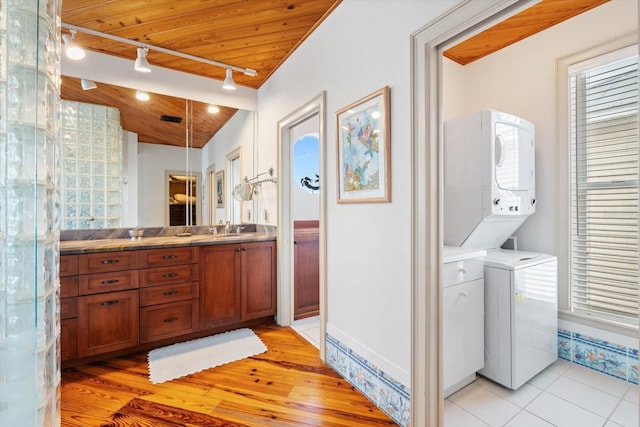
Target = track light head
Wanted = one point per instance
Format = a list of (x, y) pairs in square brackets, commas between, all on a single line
[(228, 83), (141, 63), (87, 84), (71, 49)]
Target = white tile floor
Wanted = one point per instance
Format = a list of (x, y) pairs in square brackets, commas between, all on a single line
[(563, 395), (309, 328)]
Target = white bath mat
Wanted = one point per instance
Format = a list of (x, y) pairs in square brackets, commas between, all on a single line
[(178, 360)]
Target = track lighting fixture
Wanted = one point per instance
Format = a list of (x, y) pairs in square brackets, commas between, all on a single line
[(87, 84), (228, 83), (213, 109), (141, 63), (71, 49), (142, 95)]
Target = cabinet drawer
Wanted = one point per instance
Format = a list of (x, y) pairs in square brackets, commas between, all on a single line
[(169, 256), (168, 320), (68, 265), (68, 287), (168, 293), (107, 261), (68, 308), (462, 271), (167, 275), (107, 282)]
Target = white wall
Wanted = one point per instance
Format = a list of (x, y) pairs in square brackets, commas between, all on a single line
[(153, 161), (363, 46), (521, 79), (239, 132)]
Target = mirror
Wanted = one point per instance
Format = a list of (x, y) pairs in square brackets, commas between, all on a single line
[(143, 201)]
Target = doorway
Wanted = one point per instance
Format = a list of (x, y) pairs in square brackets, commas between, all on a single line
[(302, 209)]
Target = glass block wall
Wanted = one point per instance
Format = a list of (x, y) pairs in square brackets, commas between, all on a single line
[(91, 166), (29, 212)]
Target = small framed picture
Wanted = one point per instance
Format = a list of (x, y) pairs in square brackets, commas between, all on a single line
[(364, 150), (220, 189)]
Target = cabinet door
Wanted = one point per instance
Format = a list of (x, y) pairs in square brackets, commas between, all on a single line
[(463, 331), (306, 293), (219, 285), (258, 280), (107, 322), (68, 339)]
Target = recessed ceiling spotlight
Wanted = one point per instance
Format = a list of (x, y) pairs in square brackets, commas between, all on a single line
[(142, 95), (213, 109)]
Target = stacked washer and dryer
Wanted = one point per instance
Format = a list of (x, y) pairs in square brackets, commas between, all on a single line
[(489, 191)]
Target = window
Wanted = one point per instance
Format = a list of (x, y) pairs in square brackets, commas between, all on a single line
[(604, 186)]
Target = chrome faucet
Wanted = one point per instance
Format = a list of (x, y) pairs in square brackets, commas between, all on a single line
[(227, 228)]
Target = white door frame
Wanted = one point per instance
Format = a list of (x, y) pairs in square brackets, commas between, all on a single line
[(285, 221), (464, 20)]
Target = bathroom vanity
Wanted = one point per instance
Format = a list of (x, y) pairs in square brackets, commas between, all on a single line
[(120, 296)]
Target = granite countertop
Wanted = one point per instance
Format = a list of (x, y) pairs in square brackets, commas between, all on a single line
[(71, 247)]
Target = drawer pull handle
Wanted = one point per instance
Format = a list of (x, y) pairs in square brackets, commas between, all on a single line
[(238, 250), (110, 261), (110, 282), (464, 294), (167, 275), (107, 303), (170, 256), (462, 269), (169, 293), (170, 319)]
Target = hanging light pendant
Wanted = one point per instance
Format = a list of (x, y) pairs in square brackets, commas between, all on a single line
[(228, 83), (141, 63)]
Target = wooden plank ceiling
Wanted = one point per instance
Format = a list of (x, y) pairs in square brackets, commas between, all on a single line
[(538, 17), (256, 34)]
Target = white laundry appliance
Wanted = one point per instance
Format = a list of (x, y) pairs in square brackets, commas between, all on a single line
[(521, 315), (489, 191), (489, 178)]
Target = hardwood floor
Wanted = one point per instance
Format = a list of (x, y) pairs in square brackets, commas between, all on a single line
[(286, 386)]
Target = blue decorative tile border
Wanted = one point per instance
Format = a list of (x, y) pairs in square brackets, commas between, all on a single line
[(389, 395), (602, 356)]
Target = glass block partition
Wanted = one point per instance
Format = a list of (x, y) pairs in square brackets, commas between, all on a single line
[(91, 166), (29, 212)]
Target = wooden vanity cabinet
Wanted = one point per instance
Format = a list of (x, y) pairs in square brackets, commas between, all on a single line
[(107, 302), (258, 279), (127, 300), (68, 307), (220, 302), (168, 292), (306, 276), (237, 283)]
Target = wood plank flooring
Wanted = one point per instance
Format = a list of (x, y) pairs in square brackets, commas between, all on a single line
[(286, 386)]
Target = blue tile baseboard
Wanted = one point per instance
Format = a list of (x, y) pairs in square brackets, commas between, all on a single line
[(386, 393), (603, 356)]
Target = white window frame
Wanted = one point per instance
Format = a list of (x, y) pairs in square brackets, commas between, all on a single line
[(564, 190)]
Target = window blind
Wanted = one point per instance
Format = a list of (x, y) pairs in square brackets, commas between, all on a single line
[(604, 190)]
